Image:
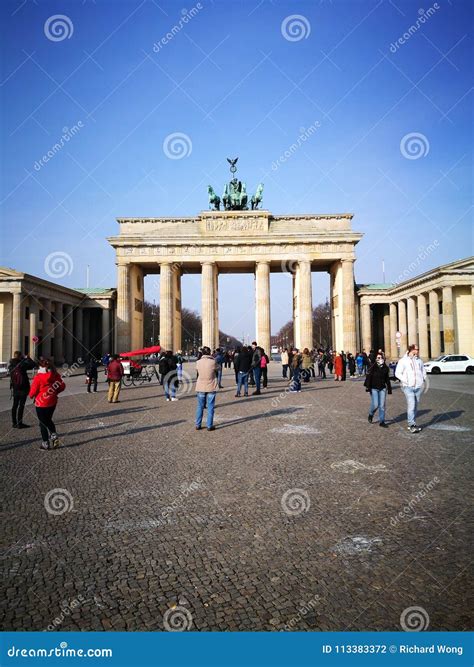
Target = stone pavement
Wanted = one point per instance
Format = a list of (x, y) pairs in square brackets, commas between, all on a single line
[(295, 514)]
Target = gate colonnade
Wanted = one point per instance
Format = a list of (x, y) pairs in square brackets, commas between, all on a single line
[(217, 242)]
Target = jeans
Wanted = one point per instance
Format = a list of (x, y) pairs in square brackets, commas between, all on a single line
[(265, 377), (257, 374), (413, 398), (243, 379), (295, 384), (179, 369), (170, 386), (18, 407), (285, 370), (45, 418), (205, 399), (378, 401), (219, 376)]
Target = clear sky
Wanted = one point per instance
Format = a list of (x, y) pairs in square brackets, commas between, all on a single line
[(238, 79)]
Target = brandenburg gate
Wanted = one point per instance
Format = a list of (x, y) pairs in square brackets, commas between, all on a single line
[(235, 240)]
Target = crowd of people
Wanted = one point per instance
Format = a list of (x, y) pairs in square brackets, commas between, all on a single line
[(250, 364)]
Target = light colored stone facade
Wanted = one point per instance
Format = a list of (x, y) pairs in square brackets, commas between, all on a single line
[(434, 310), (217, 242), (68, 323)]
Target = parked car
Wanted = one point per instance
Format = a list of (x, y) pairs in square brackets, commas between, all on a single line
[(451, 363)]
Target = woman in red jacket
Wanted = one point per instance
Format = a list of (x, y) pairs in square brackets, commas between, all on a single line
[(338, 367), (46, 386)]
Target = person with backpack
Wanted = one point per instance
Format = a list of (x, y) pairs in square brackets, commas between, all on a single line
[(46, 386), (114, 378), (377, 382), (19, 386), (92, 373), (169, 372)]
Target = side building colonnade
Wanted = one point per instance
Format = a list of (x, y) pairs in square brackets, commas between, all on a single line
[(434, 310)]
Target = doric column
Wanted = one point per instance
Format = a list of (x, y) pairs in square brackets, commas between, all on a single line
[(33, 333), (448, 320), (296, 309), (68, 324), (80, 350), (422, 327), (435, 332), (472, 320), (366, 326), (393, 331), (262, 304), (387, 331), (105, 337), (208, 305), (402, 326), (46, 348), (166, 306), (216, 305), (124, 308), (176, 279), (58, 352), (17, 321), (348, 305), (305, 301), (411, 313)]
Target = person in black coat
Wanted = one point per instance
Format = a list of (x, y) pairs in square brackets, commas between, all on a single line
[(243, 365), (377, 382), (18, 368), (91, 374)]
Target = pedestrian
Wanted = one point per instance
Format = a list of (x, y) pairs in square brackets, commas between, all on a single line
[(18, 368), (264, 361), (330, 362), (219, 357), (91, 370), (284, 363), (411, 372), (338, 367), (206, 388), (45, 388), (360, 364), (314, 360), (170, 375), (105, 362), (344, 366), (322, 360), (257, 370), (295, 384), (114, 378), (352, 365), (179, 365), (366, 361), (235, 360), (242, 365), (377, 382), (306, 362), (291, 353)]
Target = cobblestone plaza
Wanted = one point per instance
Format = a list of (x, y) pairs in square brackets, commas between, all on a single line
[(295, 514)]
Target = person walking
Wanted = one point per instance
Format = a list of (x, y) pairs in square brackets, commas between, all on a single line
[(330, 361), (206, 388), (295, 384), (219, 357), (284, 363), (377, 382), (105, 362), (45, 388), (264, 361), (411, 372), (243, 365), (322, 360), (170, 376), (92, 373), (235, 360), (256, 368), (360, 364), (179, 365), (114, 378), (365, 361), (352, 365), (338, 367), (306, 362), (344, 366), (18, 368)]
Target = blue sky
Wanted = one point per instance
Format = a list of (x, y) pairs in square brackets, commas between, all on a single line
[(234, 84)]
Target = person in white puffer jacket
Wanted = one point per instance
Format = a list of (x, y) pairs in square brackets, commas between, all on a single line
[(411, 372)]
